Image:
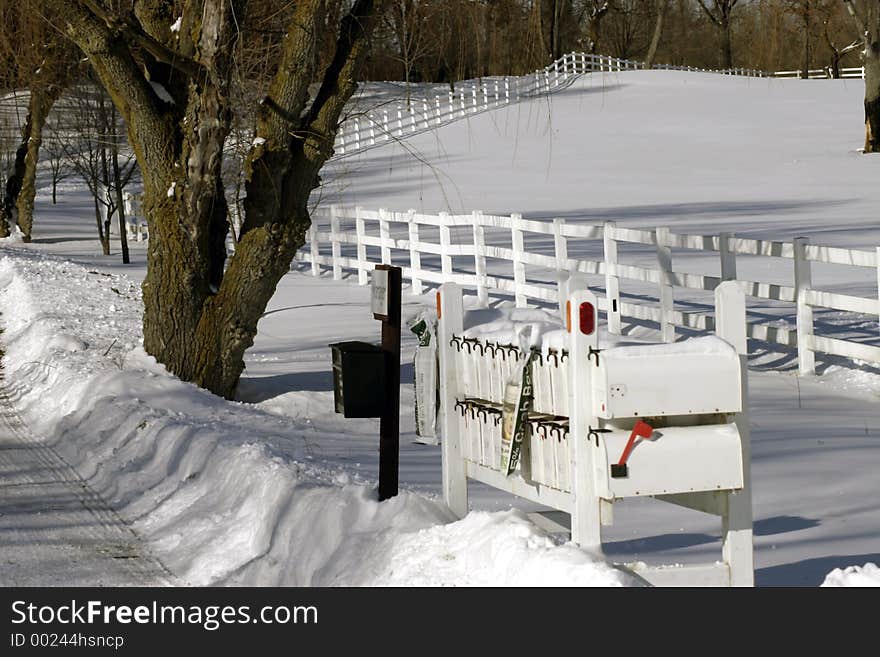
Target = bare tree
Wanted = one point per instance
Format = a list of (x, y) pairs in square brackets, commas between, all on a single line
[(172, 86), (44, 62), (719, 14), (837, 52), (89, 135), (867, 19), (662, 5)]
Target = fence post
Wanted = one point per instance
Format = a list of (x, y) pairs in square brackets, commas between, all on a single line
[(497, 97), (560, 248), (664, 270), (385, 236), (803, 282), (399, 120), (425, 113), (450, 315), (480, 258), (878, 271), (474, 96), (727, 249), (361, 230), (412, 118), (445, 242), (386, 127), (519, 267), (372, 131), (335, 245), (612, 281), (507, 90), (313, 240), (357, 134), (415, 258), (736, 527), (439, 110)]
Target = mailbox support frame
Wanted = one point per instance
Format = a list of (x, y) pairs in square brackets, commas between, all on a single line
[(588, 509)]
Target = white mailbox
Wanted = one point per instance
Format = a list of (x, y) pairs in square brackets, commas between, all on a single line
[(697, 376)]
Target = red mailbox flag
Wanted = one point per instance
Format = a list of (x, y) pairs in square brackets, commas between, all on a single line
[(641, 430)]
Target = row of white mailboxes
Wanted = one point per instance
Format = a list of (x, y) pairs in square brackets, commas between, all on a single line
[(673, 459), (694, 377)]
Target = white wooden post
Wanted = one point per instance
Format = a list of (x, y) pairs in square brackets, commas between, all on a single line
[(361, 231), (386, 127), (485, 95), (507, 90), (438, 111), (664, 267), (335, 245), (474, 95), (425, 113), (612, 281), (461, 98), (803, 282), (480, 258), (412, 118), (556, 73), (450, 313), (415, 257), (445, 242), (519, 267), (726, 247), (586, 457), (357, 134), (736, 523), (341, 137), (313, 240), (372, 132), (399, 120), (878, 273), (385, 236), (497, 100), (560, 249)]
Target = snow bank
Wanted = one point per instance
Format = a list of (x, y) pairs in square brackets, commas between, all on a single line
[(222, 492), (867, 575)]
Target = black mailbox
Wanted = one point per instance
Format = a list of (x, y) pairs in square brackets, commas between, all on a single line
[(358, 379)]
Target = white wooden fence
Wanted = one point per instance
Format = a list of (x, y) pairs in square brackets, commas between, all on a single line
[(823, 73), (400, 119), (530, 262)]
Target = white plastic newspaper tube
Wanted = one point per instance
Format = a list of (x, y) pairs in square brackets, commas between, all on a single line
[(667, 421)]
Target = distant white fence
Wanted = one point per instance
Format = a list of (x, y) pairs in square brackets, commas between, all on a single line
[(393, 121), (823, 73), (530, 261)]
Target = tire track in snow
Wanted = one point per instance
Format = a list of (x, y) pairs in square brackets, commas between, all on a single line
[(55, 530)]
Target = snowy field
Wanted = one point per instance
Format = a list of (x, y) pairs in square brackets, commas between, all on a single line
[(277, 489)]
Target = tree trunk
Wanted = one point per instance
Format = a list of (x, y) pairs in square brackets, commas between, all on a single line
[(658, 32), (117, 184), (198, 318), (103, 237), (808, 51), (726, 46), (872, 98), (41, 101)]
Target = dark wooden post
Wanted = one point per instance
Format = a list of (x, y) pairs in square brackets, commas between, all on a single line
[(389, 423)]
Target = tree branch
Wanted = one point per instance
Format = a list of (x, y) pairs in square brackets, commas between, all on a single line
[(135, 34), (708, 13)]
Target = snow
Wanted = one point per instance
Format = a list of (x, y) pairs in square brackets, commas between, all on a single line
[(175, 26), (867, 575), (258, 141), (222, 492), (277, 489), (162, 92), (171, 189)]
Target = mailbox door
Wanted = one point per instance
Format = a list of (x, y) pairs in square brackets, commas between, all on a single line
[(676, 460)]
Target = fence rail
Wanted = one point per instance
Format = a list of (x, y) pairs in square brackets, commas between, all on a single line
[(530, 261)]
